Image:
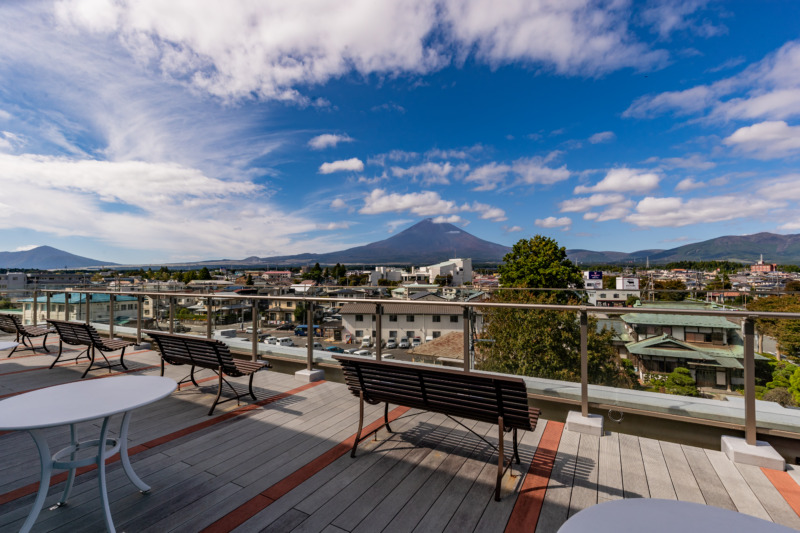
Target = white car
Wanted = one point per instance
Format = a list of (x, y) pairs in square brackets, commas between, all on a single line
[(391, 343), (317, 346), (403, 344), (249, 331), (362, 352), (351, 351), (416, 342), (270, 340), (285, 341)]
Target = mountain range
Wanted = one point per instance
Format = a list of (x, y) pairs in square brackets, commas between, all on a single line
[(47, 258), (428, 242)]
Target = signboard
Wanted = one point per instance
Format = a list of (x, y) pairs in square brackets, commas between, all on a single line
[(593, 284), (595, 274), (628, 283)]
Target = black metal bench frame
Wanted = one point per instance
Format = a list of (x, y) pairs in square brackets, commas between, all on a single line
[(487, 398), (81, 334), (211, 354), (13, 324)]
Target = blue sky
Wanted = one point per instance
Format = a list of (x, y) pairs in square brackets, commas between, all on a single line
[(146, 132)]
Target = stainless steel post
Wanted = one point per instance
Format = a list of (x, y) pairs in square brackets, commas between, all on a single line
[(35, 308), (310, 336), (467, 331), (112, 301), (256, 321), (208, 317), (584, 363), (47, 305), (139, 302), (749, 383), (171, 313), (378, 335), (88, 306), (66, 306)]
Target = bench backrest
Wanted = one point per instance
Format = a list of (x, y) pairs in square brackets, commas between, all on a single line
[(197, 351), (9, 323), (452, 392), (76, 333)]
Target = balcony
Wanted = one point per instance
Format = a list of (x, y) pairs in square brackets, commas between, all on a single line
[(282, 463)]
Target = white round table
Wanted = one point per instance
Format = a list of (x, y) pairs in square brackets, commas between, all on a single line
[(664, 516), (77, 402)]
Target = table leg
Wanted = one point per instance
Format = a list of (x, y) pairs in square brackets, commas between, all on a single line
[(123, 454), (101, 475), (73, 435), (44, 479)]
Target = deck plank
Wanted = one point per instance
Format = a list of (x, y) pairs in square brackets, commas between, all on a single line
[(555, 509), (739, 491), (584, 489), (777, 507), (634, 480), (713, 490), (659, 482), (609, 475), (686, 487)]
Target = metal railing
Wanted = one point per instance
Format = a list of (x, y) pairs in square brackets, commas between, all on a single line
[(746, 318)]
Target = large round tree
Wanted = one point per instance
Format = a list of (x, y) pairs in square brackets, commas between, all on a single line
[(539, 263)]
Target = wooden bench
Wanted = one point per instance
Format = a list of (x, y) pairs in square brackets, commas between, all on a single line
[(205, 353), (80, 334), (13, 324), (487, 398)]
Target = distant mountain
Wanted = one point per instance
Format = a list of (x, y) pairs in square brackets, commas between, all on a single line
[(781, 249), (46, 258), (424, 242)]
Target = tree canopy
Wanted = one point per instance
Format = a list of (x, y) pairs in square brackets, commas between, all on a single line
[(539, 263)]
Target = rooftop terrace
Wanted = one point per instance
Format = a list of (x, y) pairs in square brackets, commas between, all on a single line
[(281, 464)]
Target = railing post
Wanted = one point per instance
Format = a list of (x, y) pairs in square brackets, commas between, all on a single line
[(255, 317), (139, 302), (467, 332), (208, 317), (35, 307), (584, 363), (378, 335), (749, 383), (112, 301), (47, 306), (66, 306), (88, 306), (310, 336), (171, 313)]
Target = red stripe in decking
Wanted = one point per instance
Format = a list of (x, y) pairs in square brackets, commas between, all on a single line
[(529, 502), (786, 485), (263, 500), (58, 478)]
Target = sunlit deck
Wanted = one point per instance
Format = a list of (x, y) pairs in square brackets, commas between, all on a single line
[(283, 464)]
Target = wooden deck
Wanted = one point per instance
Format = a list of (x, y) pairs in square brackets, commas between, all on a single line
[(283, 464)]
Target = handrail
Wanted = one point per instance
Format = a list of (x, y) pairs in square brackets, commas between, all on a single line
[(382, 305)]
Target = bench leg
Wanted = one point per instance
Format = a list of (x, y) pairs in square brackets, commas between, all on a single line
[(44, 343), (122, 359), (191, 375), (360, 423), (500, 459), (386, 419), (253, 396), (60, 349), (516, 450), (219, 392), (90, 353)]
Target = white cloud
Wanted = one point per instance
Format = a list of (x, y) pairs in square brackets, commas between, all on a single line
[(784, 188), (488, 212), (392, 225), (693, 161), (512, 229), (584, 204), (425, 203), (338, 203), (352, 165), (689, 184), (328, 140), (677, 212), (553, 222), (533, 170), (602, 137), (628, 180), (768, 89), (766, 140), (488, 176), (333, 226), (430, 172), (236, 50), (26, 247), (669, 17), (452, 219)]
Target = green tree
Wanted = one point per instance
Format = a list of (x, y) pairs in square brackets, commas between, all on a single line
[(539, 263), (786, 332), (545, 343), (794, 385), (204, 274), (781, 396), (249, 280), (300, 312), (670, 285), (680, 382), (610, 282)]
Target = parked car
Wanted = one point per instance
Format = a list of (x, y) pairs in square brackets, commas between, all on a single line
[(416, 342), (351, 351), (391, 344), (270, 340), (334, 349), (317, 346), (285, 327), (362, 352), (249, 330), (285, 341), (403, 344)]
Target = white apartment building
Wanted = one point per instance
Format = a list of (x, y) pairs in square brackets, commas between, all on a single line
[(459, 269)]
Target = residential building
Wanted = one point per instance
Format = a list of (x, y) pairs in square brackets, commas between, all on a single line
[(99, 309)]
